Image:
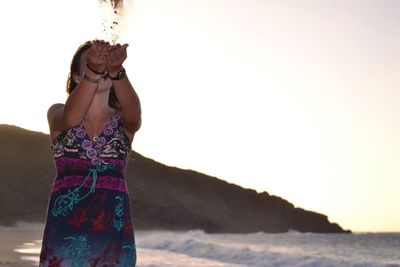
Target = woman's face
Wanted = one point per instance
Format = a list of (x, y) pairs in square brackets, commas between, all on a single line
[(105, 83)]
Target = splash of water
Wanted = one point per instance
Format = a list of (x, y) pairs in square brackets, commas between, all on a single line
[(111, 12)]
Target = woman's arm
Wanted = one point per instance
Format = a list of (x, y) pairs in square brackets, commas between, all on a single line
[(127, 97), (130, 104), (61, 117)]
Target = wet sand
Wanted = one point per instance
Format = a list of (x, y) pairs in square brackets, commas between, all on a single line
[(20, 247), (14, 238)]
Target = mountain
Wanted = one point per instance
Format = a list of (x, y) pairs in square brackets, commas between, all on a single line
[(162, 197)]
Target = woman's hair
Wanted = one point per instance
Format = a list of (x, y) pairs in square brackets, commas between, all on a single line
[(75, 68)]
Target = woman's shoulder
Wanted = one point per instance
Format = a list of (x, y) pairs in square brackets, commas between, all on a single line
[(52, 114), (55, 107)]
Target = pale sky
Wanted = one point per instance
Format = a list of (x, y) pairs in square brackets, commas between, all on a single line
[(297, 98)]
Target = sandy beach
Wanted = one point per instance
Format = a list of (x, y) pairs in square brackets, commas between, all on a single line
[(20, 247), (15, 239)]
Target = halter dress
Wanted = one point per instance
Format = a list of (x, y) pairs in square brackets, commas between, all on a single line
[(89, 220)]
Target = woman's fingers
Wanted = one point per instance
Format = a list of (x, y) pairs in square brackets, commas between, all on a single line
[(116, 56), (96, 56), (100, 48), (120, 51), (93, 48), (112, 57), (105, 48)]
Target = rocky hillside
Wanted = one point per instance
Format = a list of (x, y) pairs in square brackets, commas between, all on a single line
[(162, 197)]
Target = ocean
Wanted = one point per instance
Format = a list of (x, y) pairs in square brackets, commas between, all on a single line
[(196, 248)]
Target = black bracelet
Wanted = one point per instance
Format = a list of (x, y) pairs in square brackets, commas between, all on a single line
[(93, 70)]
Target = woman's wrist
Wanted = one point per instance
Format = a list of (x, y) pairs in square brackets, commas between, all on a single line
[(117, 74), (91, 79), (114, 73), (94, 70)]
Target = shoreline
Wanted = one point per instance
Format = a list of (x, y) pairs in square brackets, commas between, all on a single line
[(14, 238), (21, 244)]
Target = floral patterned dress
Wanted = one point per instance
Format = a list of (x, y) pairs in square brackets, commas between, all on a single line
[(89, 220)]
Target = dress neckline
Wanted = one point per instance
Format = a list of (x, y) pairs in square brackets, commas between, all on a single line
[(101, 133)]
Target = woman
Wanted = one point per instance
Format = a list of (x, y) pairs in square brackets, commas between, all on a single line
[(89, 219)]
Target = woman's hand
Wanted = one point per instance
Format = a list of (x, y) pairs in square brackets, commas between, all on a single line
[(97, 54), (116, 56)]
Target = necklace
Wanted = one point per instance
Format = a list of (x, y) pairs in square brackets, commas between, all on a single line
[(95, 137), (96, 134)]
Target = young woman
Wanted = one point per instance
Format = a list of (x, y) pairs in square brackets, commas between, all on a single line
[(89, 220)]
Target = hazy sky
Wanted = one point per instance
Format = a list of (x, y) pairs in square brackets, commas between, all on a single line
[(297, 98)]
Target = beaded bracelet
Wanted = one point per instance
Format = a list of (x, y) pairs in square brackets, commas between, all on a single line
[(91, 80), (95, 71)]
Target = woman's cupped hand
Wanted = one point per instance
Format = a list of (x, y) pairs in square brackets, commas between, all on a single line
[(97, 55), (105, 57), (115, 58)]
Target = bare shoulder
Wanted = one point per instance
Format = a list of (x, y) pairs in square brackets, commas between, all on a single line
[(54, 115), (54, 107)]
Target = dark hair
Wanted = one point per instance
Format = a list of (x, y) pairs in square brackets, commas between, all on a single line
[(75, 68)]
